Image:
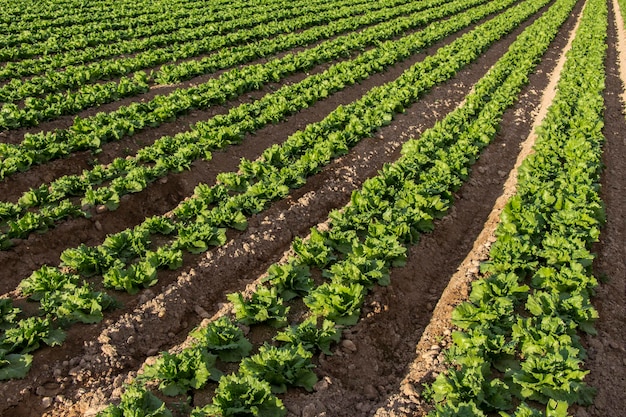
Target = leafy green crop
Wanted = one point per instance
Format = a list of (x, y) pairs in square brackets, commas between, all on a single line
[(290, 279), (311, 336), (180, 372), (337, 302), (281, 367), (29, 334), (263, 306), (241, 396), (224, 339), (137, 402), (524, 316)]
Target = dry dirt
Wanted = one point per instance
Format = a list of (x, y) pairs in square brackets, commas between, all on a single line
[(396, 345)]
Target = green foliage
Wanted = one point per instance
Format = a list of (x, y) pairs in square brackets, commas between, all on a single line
[(224, 339), (8, 313), (314, 251), (73, 303), (178, 373), (136, 401), (198, 237), (530, 333), (362, 270), (462, 409), (14, 365), (165, 257), (242, 395), (311, 335), (140, 275), (337, 302), (44, 280), (289, 365), (87, 260), (263, 306), (29, 334), (290, 280), (472, 383)]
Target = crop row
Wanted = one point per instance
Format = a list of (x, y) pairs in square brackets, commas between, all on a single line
[(35, 109), (186, 99), (77, 31), (355, 252), (194, 29), (228, 33), (127, 260), (133, 174), (82, 27), (45, 14), (519, 341)]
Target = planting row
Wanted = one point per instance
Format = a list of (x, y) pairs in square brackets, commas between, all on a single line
[(84, 28), (36, 109), (167, 44), (519, 341)]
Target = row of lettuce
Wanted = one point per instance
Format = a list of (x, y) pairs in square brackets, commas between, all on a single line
[(39, 208), (519, 338), (179, 44), (128, 260), (355, 252), (172, 31), (45, 96), (86, 27), (25, 15)]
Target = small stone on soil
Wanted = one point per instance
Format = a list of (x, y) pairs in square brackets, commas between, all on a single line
[(202, 313), (371, 393), (321, 385), (313, 409), (348, 345)]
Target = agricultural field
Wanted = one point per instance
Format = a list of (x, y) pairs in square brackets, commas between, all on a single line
[(313, 208)]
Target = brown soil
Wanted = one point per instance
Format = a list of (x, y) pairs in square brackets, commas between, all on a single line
[(396, 345)]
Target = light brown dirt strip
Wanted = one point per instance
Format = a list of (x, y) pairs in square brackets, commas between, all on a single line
[(429, 351), (621, 47)]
